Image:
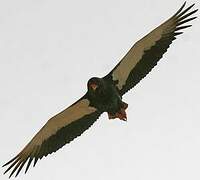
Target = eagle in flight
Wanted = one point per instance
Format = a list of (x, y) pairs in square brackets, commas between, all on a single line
[(103, 94)]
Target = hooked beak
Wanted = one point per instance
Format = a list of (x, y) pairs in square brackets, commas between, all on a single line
[(93, 86)]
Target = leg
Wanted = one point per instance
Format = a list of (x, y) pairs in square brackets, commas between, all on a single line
[(111, 116), (124, 105), (121, 114)]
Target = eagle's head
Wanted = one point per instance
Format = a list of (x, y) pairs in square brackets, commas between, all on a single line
[(96, 86)]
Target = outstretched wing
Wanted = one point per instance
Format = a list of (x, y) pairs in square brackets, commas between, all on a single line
[(58, 131), (145, 54)]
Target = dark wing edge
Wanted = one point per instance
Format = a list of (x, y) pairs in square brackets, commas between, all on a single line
[(52, 144), (151, 56)]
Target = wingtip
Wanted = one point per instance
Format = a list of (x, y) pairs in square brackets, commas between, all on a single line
[(28, 165), (6, 171), (192, 5), (35, 162), (196, 10), (11, 160), (16, 174), (184, 4), (181, 8), (178, 33), (8, 163)]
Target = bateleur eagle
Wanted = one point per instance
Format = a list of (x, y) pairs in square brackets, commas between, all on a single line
[(103, 94)]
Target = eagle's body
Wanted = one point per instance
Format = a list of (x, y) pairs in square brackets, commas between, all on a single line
[(106, 98), (103, 94)]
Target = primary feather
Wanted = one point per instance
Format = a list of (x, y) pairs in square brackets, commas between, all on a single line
[(145, 53), (58, 131)]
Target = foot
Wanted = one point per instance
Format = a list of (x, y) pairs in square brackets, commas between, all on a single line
[(111, 116), (121, 114), (124, 105)]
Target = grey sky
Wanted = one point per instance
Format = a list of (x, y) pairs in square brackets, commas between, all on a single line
[(48, 51)]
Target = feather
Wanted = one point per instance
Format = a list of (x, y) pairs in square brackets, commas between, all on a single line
[(146, 53), (58, 131)]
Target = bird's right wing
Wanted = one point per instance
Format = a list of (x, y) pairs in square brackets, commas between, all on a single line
[(145, 54), (58, 131)]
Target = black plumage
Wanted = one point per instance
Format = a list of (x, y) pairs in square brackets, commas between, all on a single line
[(104, 94)]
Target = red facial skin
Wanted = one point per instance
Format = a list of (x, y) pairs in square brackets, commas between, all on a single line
[(93, 86)]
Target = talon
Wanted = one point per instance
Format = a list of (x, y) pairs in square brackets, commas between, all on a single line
[(111, 116), (121, 114), (124, 105)]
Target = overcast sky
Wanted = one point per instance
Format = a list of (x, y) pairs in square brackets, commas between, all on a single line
[(48, 51)]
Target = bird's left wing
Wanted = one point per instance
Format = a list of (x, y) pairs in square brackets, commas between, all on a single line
[(145, 54), (58, 131)]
